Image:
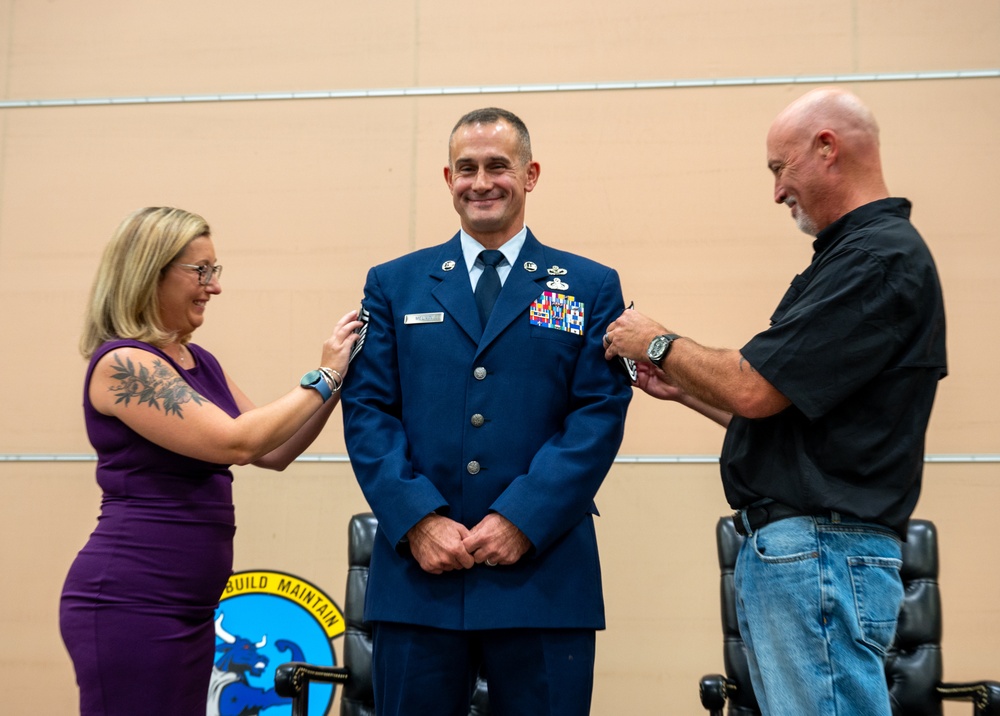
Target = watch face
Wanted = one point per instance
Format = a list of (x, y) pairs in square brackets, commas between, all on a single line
[(317, 381), (656, 347)]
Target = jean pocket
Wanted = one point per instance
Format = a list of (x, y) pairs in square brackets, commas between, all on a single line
[(878, 595), (789, 540)]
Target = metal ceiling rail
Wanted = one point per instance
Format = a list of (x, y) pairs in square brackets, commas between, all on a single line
[(378, 93)]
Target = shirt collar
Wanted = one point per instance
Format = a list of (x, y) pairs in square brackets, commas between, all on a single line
[(859, 217), (510, 250)]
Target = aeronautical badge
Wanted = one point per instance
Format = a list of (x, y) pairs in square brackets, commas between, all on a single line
[(558, 311), (556, 271), (557, 284), (447, 265)]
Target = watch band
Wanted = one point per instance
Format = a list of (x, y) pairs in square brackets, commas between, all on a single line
[(317, 381)]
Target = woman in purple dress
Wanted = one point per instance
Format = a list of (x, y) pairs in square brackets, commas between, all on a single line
[(167, 422)]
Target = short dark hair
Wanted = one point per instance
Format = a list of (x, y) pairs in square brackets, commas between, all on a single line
[(491, 115)]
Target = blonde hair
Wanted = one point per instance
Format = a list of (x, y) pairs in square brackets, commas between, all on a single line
[(123, 300)]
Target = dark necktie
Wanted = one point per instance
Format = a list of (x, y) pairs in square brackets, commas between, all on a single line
[(488, 287)]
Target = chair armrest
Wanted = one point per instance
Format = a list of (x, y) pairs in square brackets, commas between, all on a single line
[(985, 695), (714, 690), (291, 679)]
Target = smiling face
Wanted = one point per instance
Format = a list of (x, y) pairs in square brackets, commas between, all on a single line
[(489, 180), (796, 161), (181, 298), (823, 150)]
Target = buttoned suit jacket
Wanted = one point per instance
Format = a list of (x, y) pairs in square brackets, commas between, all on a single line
[(552, 417)]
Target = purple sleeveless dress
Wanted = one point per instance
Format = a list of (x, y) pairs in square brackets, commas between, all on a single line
[(138, 603)]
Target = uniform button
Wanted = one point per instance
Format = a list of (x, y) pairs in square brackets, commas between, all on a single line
[(472, 467), (478, 420), (479, 373)]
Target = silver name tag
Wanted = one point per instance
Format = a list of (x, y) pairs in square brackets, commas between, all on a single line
[(411, 318)]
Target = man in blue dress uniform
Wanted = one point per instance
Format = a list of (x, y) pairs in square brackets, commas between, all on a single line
[(481, 418)]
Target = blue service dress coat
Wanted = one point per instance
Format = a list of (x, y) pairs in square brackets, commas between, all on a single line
[(523, 418)]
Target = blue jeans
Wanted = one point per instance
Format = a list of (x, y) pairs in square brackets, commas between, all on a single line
[(817, 601)]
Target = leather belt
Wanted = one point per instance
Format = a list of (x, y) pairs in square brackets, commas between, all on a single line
[(762, 515)]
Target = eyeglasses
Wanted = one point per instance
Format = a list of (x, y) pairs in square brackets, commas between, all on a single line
[(205, 273)]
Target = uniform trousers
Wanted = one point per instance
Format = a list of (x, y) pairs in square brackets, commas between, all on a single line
[(422, 671)]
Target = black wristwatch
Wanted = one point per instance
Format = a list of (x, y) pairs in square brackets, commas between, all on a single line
[(659, 347)]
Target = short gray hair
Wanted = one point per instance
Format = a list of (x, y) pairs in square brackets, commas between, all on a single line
[(492, 115)]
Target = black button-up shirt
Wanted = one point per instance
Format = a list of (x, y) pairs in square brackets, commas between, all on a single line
[(857, 345)]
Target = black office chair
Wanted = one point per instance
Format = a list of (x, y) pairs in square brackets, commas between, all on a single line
[(357, 699), (913, 667)]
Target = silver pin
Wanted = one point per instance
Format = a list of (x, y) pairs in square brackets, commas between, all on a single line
[(448, 265), (556, 284), (556, 271), (530, 266)]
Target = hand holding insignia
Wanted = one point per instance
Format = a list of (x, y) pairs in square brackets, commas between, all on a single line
[(340, 346)]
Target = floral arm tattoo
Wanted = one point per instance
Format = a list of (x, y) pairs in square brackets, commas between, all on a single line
[(154, 387)]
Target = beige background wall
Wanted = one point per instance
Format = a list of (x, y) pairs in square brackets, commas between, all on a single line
[(668, 184)]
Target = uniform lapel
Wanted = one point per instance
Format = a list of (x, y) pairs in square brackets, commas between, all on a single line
[(453, 291)]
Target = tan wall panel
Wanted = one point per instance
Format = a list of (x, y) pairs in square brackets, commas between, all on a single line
[(144, 48), (114, 47), (898, 36)]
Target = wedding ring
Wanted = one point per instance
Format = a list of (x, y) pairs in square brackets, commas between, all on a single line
[(607, 339), (490, 564)]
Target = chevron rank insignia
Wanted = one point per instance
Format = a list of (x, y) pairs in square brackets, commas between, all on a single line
[(362, 331)]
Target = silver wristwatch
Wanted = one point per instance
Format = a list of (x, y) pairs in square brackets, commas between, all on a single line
[(659, 347)]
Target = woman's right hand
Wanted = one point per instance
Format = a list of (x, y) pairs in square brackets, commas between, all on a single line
[(337, 348)]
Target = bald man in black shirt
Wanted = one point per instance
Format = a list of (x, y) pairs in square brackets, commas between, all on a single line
[(826, 413)]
